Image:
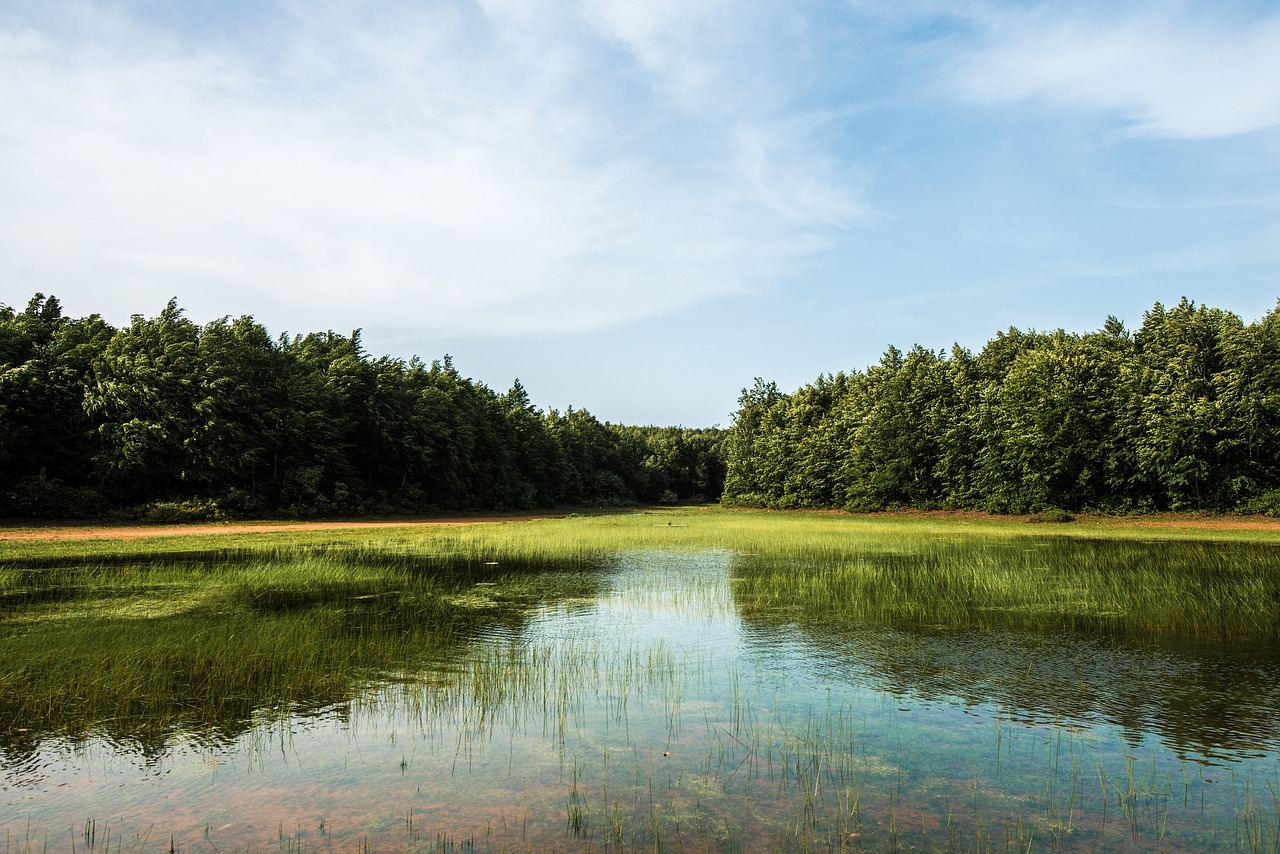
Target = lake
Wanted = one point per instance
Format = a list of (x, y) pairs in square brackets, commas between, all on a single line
[(657, 699)]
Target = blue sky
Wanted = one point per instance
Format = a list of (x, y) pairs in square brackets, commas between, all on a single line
[(636, 208)]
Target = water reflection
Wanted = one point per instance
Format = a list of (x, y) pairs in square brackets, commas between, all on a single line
[(145, 661), (1206, 699), (654, 699)]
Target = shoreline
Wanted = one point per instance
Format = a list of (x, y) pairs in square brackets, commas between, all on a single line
[(141, 530), (92, 530)]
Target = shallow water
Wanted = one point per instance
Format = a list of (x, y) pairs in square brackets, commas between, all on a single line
[(645, 709)]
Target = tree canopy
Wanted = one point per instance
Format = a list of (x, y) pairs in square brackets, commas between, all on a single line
[(1182, 413), (223, 418)]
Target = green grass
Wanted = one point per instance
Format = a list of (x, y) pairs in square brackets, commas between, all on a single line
[(211, 641), (150, 634), (796, 533), (206, 635), (1195, 589)]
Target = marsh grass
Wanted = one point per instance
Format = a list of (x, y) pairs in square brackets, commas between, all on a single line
[(178, 628), (207, 635), (1217, 590), (212, 642), (831, 779)]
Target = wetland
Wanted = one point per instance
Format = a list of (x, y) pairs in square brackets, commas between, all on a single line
[(684, 679)]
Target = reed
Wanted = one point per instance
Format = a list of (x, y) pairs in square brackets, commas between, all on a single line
[(1173, 588), (223, 623), (212, 635), (146, 649)]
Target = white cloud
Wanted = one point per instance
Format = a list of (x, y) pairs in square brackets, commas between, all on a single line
[(1170, 74), (673, 39), (791, 172), (454, 169)]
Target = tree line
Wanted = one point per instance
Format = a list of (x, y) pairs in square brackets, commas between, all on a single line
[(1181, 414), (169, 418)]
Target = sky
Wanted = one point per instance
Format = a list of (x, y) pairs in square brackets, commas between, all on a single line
[(636, 208)]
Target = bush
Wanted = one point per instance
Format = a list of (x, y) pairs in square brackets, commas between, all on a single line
[(239, 504), (194, 510), (607, 488), (49, 498), (1266, 504), (1052, 514)]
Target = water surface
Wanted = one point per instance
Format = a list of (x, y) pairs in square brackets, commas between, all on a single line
[(643, 705)]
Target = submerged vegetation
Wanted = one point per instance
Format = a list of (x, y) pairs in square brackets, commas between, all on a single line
[(217, 625), (147, 644), (694, 678), (1097, 586)]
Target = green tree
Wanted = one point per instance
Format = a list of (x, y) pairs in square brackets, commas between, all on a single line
[(1056, 415), (752, 458), (1186, 447), (45, 456), (897, 447), (142, 397)]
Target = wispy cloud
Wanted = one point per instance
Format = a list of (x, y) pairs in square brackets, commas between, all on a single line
[(1168, 71), (457, 165)]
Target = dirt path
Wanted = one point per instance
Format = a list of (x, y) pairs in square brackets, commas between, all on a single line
[(1161, 520), (1166, 519), (133, 532), (1205, 523)]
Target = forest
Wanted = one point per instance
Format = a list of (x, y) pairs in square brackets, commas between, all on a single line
[(168, 420), (1182, 413)]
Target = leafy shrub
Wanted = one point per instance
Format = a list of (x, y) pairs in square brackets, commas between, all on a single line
[(40, 496), (194, 510), (1266, 504), (607, 487), (1052, 514)]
